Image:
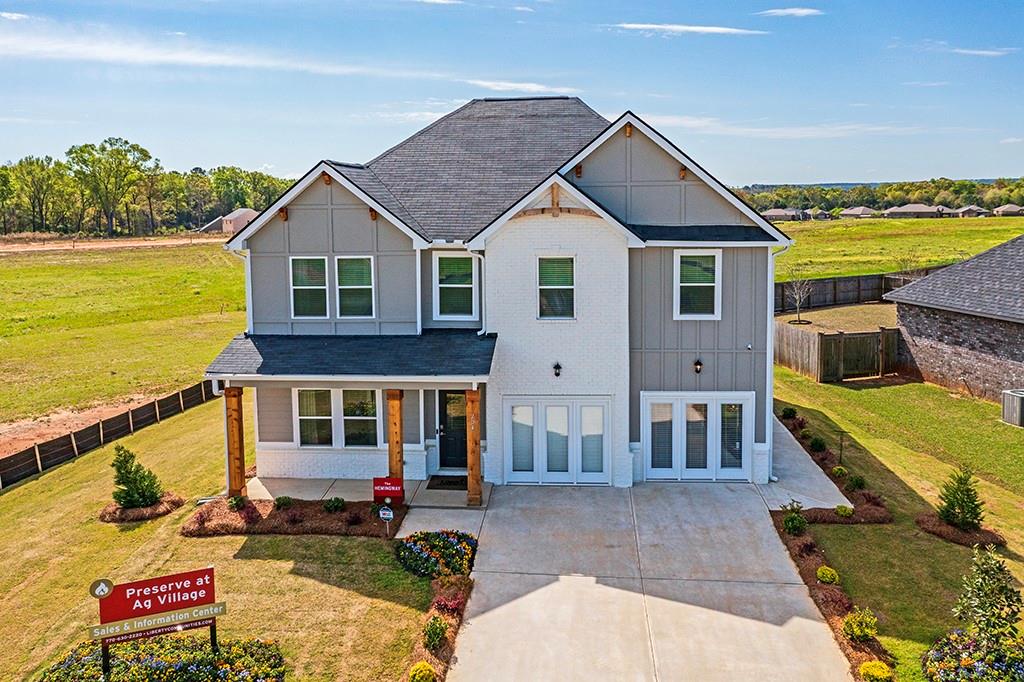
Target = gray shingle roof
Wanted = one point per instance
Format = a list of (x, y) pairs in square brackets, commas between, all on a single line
[(434, 353), (715, 233), (988, 285), (464, 170)]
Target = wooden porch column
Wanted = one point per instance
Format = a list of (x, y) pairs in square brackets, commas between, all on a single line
[(235, 440), (474, 497), (396, 455)]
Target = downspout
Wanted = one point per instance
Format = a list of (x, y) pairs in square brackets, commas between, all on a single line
[(769, 426), (244, 257), (483, 298)]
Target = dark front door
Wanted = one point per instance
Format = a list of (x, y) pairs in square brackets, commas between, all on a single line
[(452, 429)]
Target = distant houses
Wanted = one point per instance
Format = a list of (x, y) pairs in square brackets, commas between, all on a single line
[(230, 223), (779, 214), (972, 211), (916, 211), (1008, 210), (858, 212), (913, 210)]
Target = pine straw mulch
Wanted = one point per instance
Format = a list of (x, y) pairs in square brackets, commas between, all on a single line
[(831, 600), (115, 513), (931, 523), (451, 593), (303, 517)]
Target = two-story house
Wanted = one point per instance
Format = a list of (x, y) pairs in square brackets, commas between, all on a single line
[(522, 291)]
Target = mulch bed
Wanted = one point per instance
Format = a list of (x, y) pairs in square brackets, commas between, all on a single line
[(303, 517), (115, 513), (450, 596), (931, 523)]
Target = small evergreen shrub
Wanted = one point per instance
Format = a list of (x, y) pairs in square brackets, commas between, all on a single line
[(960, 505), (844, 511), (794, 524), (804, 434), (788, 412), (839, 471), (422, 672), (135, 486), (875, 671), (334, 505), (855, 482), (817, 444), (236, 503), (860, 625), (283, 502), (989, 602), (828, 575), (434, 632)]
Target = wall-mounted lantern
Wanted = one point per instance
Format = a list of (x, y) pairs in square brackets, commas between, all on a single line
[(698, 365), (558, 369)]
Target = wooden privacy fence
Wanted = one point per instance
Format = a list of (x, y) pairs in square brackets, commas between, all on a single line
[(43, 456), (834, 356), (830, 291)]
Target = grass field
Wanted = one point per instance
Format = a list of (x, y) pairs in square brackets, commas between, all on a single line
[(83, 328), (340, 607), (905, 438), (848, 318), (869, 245)]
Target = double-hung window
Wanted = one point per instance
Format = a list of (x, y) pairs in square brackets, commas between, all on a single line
[(309, 287), (455, 287), (359, 414), (355, 286), (556, 288), (697, 288), (316, 424)]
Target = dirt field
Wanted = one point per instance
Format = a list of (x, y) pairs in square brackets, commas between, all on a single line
[(27, 244)]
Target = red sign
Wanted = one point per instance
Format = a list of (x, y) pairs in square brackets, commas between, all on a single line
[(388, 487), (156, 595)]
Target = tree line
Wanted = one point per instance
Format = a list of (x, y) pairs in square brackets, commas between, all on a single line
[(117, 187), (949, 193)]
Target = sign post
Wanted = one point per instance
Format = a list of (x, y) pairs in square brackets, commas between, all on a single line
[(387, 515), (157, 606)]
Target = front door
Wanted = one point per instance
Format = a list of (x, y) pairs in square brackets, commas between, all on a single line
[(452, 429)]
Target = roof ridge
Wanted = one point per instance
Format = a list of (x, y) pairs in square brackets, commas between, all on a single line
[(419, 132), (393, 196)]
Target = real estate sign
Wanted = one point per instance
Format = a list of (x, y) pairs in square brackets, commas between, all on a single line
[(385, 487)]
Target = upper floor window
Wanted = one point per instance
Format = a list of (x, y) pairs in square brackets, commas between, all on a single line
[(309, 287), (556, 288), (697, 293), (455, 279), (355, 286)]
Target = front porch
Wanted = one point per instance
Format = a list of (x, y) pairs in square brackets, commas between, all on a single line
[(417, 493)]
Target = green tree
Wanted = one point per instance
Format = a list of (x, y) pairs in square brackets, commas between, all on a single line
[(989, 601), (230, 188), (960, 504), (134, 485), (38, 179), (7, 194), (109, 171)]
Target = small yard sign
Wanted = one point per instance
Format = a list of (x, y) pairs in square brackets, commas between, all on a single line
[(387, 514), (388, 487)]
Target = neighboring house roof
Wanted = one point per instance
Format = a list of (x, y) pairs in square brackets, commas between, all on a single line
[(858, 211), (446, 353), (239, 213), (215, 225), (1008, 208), (780, 212), (972, 207), (987, 285), (912, 208)]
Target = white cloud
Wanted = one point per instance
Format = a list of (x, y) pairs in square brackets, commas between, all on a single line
[(1011, 140), (13, 16), (680, 29), (926, 84), (523, 8), (179, 34), (816, 131), (991, 52), (440, 2), (514, 86), (791, 12)]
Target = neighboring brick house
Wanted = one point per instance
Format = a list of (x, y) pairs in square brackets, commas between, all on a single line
[(963, 326), (522, 291)]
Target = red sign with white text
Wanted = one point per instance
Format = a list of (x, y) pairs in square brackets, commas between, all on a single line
[(156, 595), (388, 487)]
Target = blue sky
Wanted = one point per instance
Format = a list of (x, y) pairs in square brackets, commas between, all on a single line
[(755, 91)]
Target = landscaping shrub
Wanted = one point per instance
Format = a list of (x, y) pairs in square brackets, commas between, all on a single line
[(178, 658), (804, 434), (828, 575), (989, 602), (434, 632), (293, 517), (959, 657), (452, 604), (856, 482), (817, 444), (135, 486), (788, 412), (839, 471), (249, 513), (334, 505), (283, 502), (236, 503), (435, 553), (793, 522), (875, 671), (860, 625), (844, 511), (422, 672), (799, 423), (960, 505)]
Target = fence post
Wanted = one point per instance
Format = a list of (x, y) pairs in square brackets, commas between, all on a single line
[(181, 402), (881, 352), (74, 443), (100, 423), (131, 422), (39, 462), (842, 352), (835, 291), (821, 358), (156, 406), (202, 390), (1, 482)]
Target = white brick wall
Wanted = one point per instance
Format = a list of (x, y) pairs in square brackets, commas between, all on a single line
[(329, 463), (592, 349)]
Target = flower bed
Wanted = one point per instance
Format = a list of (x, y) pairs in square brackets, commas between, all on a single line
[(451, 594), (301, 517), (437, 553), (178, 658), (115, 513), (931, 523), (958, 656)]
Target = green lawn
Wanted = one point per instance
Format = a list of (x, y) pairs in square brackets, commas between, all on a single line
[(849, 318), (870, 245), (341, 607), (79, 328), (905, 438)]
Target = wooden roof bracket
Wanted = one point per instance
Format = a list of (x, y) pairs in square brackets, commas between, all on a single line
[(326, 177), (578, 170), (554, 200), (629, 130), (373, 214), (682, 172), (282, 213)]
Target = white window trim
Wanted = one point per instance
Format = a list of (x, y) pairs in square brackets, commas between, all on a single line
[(475, 316), (538, 287), (337, 420), (376, 419), (292, 288), (676, 255), (297, 420), (373, 288)]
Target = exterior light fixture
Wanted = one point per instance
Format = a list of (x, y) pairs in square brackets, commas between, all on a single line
[(558, 369), (698, 365)]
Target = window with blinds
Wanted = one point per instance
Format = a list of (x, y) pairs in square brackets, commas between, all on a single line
[(556, 419), (455, 286), (732, 436), (592, 439), (355, 286), (696, 436), (522, 438), (556, 279), (309, 287), (697, 284), (661, 436)]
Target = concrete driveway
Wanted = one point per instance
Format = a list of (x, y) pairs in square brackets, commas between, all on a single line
[(658, 582)]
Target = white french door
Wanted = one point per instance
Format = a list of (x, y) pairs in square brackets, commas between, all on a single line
[(557, 440), (697, 436)]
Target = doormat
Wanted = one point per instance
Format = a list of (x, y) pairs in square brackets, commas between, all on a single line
[(446, 483)]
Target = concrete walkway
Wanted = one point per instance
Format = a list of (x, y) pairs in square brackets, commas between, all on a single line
[(799, 477), (659, 582)]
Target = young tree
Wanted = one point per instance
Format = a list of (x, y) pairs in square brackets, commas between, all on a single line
[(989, 602), (798, 287), (109, 171), (960, 505), (7, 193), (134, 485), (38, 178)]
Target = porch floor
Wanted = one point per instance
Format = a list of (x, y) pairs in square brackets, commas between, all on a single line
[(355, 490)]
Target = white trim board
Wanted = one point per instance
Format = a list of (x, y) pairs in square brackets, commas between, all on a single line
[(435, 286), (677, 255)]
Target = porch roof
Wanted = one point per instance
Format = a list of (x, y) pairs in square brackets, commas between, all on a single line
[(435, 353)]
